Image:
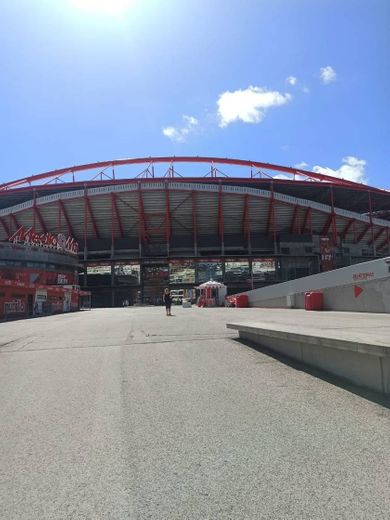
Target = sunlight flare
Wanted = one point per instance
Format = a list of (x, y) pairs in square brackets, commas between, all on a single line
[(109, 7)]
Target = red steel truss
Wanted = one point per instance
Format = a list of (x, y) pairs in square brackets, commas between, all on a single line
[(294, 220), (363, 233), (94, 225), (37, 215), (107, 172), (246, 229), (15, 222), (5, 226), (117, 215), (301, 220), (306, 220), (67, 219), (347, 228), (376, 236), (194, 221)]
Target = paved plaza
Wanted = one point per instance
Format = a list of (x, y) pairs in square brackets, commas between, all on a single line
[(129, 414)]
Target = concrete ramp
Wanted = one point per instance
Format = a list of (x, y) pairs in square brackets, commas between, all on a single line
[(363, 287)]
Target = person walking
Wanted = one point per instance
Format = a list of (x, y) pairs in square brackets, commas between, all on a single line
[(168, 301)]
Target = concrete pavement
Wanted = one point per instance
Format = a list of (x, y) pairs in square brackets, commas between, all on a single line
[(128, 414)]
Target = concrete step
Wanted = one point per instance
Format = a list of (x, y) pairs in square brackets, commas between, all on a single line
[(364, 363)]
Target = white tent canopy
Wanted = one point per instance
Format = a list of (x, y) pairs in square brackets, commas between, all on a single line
[(215, 298), (211, 285)]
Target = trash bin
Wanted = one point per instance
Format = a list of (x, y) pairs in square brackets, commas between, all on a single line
[(242, 300), (314, 301)]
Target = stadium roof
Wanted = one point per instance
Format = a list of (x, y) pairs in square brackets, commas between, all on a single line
[(236, 194)]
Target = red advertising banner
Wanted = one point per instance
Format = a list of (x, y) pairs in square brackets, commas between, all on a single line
[(38, 276)]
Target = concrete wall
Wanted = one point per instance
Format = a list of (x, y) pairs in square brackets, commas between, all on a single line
[(362, 368), (23, 253), (363, 287), (375, 297)]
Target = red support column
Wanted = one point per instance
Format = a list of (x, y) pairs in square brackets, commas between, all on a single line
[(271, 212), (112, 226), (85, 224), (347, 228), (221, 231), (167, 219), (117, 215), (372, 241), (333, 215), (94, 225), (15, 222), (246, 222), (59, 218), (33, 211), (325, 229), (294, 219), (386, 241), (271, 223), (142, 232), (67, 220), (194, 223), (5, 226), (37, 215), (362, 234), (376, 236), (40, 220), (305, 220)]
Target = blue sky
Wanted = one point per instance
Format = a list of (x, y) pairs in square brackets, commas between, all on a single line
[(82, 83)]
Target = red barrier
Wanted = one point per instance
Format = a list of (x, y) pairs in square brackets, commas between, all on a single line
[(314, 301), (242, 300)]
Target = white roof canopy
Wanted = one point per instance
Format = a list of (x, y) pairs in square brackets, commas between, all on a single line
[(211, 284)]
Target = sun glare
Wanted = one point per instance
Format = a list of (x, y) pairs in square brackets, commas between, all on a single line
[(106, 7)]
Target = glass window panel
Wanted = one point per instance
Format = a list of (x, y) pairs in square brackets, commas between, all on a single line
[(99, 269), (263, 269), (210, 271), (127, 274), (99, 274), (156, 273), (237, 271), (182, 272)]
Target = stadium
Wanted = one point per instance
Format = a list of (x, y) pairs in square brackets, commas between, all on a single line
[(146, 223)]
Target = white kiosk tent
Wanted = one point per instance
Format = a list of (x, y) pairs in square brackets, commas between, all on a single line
[(211, 294)]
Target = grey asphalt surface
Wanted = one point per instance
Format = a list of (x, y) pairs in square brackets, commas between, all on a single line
[(128, 414)]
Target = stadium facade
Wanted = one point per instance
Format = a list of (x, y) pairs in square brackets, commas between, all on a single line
[(143, 224), (38, 275)]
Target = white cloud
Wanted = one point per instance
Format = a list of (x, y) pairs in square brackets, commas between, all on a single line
[(328, 74), (283, 176), (180, 133), (351, 169), (306, 90), (190, 120), (292, 80), (249, 105), (301, 166)]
